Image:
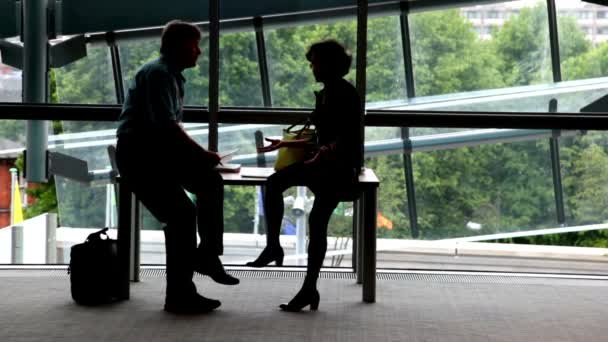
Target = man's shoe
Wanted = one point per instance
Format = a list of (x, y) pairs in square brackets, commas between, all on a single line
[(191, 305), (212, 267)]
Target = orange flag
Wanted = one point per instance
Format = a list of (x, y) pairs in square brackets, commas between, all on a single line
[(384, 222)]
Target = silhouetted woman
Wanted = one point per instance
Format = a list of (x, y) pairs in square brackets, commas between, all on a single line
[(330, 173)]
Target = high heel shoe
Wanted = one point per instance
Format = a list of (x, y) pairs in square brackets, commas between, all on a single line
[(267, 256), (301, 300)]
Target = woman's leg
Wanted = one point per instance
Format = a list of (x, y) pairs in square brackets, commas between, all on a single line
[(318, 221), (273, 210), (273, 199)]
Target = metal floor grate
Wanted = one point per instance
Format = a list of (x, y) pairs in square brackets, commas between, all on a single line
[(423, 276)]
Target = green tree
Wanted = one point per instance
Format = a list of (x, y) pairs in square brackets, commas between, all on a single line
[(449, 57), (523, 45)]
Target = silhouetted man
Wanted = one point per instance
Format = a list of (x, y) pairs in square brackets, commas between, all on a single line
[(158, 160)]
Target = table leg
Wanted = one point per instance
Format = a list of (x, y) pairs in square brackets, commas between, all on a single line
[(359, 222), (124, 238), (369, 244)]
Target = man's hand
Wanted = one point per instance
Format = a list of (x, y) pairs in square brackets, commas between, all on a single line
[(274, 144), (212, 158)]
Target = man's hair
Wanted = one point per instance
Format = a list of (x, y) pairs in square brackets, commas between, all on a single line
[(332, 55), (177, 32)]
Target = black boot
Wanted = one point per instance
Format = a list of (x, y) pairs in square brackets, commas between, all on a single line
[(306, 296), (211, 265)]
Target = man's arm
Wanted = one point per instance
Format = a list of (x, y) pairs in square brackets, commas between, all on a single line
[(162, 106)]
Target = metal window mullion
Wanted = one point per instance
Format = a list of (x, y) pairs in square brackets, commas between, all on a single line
[(554, 142), (408, 169), (214, 72), (407, 50), (262, 61), (554, 41), (119, 87), (558, 188), (360, 84)]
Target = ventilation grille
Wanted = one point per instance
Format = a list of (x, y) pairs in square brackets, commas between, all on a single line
[(430, 276)]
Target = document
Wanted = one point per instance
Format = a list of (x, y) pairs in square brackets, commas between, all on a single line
[(226, 156), (257, 172), (228, 167)]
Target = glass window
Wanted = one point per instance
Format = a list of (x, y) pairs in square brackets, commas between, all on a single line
[(385, 78), (581, 51), (493, 14), (449, 56), (12, 131), (240, 82), (291, 79), (584, 160), (134, 54), (10, 84), (506, 187), (85, 81)]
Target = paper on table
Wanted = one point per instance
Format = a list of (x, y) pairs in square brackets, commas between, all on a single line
[(228, 167), (226, 156), (256, 172)]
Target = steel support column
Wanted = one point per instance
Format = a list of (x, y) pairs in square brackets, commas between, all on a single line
[(35, 76), (214, 72)]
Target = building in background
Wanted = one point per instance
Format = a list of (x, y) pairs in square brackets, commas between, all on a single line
[(592, 19)]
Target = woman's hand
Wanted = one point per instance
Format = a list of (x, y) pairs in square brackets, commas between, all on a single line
[(322, 154), (274, 144)]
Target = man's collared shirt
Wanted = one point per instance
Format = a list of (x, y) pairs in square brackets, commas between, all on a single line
[(154, 99)]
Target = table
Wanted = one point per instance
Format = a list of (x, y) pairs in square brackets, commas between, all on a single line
[(364, 235)]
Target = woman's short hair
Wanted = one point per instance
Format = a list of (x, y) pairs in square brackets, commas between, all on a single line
[(332, 54), (177, 32)]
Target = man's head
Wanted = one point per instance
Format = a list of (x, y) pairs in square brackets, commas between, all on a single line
[(179, 43), (328, 60)]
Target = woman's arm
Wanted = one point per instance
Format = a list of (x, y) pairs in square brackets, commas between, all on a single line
[(276, 144)]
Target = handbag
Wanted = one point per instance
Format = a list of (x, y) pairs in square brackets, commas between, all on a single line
[(290, 155), (94, 270)]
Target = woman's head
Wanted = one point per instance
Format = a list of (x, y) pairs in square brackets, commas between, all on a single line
[(328, 59)]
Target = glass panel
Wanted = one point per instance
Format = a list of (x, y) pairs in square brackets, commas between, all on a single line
[(481, 47), (240, 82), (484, 198), (243, 212), (85, 81), (385, 75), (12, 132), (134, 54), (289, 71), (291, 79), (583, 31), (10, 84), (584, 165)]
